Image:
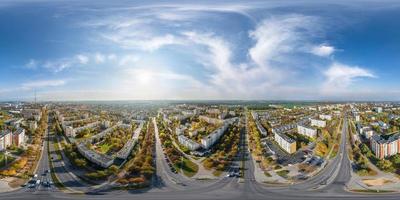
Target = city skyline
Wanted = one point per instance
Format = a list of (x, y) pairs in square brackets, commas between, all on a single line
[(236, 50)]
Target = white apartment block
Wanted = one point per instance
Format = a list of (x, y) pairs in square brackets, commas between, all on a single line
[(102, 160), (325, 117), (188, 143), (307, 131), (5, 139), (318, 123), (211, 120), (211, 139)]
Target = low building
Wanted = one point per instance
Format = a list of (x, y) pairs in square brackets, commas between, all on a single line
[(377, 109), (307, 131), (385, 147), (285, 142), (367, 132), (318, 123)]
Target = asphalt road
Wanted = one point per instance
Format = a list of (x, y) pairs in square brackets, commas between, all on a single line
[(336, 175)]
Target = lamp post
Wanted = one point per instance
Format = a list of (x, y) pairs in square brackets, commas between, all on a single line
[(5, 157)]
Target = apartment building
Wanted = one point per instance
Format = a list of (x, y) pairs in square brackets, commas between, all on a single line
[(318, 123), (32, 125), (102, 160), (188, 143), (385, 147), (325, 117), (211, 139), (211, 120), (285, 142), (18, 137), (5, 139), (307, 131)]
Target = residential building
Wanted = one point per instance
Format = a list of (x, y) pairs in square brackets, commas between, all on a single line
[(5, 139), (69, 131), (102, 160), (318, 123), (212, 138), (377, 109), (32, 125), (211, 120), (18, 137), (285, 142), (357, 118), (385, 147), (325, 117), (307, 131), (261, 128), (367, 132), (188, 143)]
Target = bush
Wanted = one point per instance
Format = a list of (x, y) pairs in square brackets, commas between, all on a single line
[(136, 180), (384, 165), (20, 163), (122, 181), (208, 163), (8, 172)]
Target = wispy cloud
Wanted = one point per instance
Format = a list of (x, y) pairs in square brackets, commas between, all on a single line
[(31, 64), (340, 76), (323, 50)]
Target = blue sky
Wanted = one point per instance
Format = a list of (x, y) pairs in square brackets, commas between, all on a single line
[(127, 50)]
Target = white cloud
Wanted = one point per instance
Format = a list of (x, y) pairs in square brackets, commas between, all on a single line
[(42, 83), (82, 59), (280, 35), (340, 76), (99, 58), (323, 50), (145, 42), (31, 64), (128, 59)]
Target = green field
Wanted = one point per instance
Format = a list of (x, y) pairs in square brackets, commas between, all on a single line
[(189, 168), (104, 148), (3, 160)]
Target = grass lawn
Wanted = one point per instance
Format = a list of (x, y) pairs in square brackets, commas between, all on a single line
[(104, 148), (267, 174), (3, 160), (283, 173), (189, 168)]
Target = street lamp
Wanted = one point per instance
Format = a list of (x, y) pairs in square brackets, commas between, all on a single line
[(5, 156)]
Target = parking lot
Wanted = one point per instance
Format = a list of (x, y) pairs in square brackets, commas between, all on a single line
[(283, 158)]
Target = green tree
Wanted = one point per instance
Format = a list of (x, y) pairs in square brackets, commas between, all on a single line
[(384, 165)]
